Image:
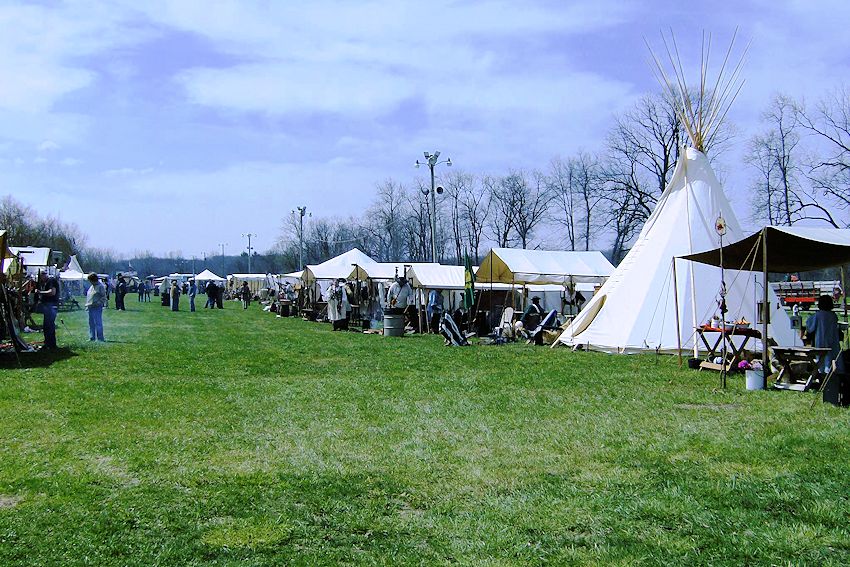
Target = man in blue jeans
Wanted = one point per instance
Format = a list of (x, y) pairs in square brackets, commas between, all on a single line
[(48, 293), (193, 291)]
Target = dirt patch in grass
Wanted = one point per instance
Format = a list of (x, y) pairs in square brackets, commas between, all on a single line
[(7, 501)]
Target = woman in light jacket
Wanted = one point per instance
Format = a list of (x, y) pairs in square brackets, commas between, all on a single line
[(95, 300)]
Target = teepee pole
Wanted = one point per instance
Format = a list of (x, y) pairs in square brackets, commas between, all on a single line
[(676, 304), (691, 251)]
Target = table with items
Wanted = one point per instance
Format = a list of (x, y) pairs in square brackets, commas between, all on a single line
[(798, 367)]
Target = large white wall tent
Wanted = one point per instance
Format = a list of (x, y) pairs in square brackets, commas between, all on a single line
[(635, 309), (520, 267)]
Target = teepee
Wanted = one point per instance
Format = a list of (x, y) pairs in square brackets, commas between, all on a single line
[(654, 301)]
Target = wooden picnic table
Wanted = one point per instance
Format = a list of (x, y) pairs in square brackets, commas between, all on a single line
[(789, 356)]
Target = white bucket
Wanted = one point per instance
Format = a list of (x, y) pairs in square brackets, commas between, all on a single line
[(755, 379)]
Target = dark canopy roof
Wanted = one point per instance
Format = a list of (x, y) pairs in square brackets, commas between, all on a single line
[(789, 249)]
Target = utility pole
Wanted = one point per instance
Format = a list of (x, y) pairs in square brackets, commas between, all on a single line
[(222, 245), (301, 212), (432, 163), (249, 235)]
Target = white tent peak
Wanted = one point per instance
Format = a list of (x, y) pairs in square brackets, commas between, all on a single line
[(634, 310), (339, 267), (208, 275)]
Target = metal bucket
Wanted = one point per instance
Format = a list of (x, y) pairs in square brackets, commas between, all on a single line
[(393, 325)]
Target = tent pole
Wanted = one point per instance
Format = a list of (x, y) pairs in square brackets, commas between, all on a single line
[(691, 251), (678, 322), (765, 358), (844, 301), (419, 314)]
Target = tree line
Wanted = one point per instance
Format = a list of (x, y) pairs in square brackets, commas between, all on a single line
[(799, 164)]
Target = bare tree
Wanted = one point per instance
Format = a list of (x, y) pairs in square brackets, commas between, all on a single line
[(503, 204), (384, 220), (457, 185), (830, 123), (778, 152), (532, 201), (475, 213), (576, 189)]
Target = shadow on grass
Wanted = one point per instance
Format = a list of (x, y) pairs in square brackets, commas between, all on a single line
[(38, 359)]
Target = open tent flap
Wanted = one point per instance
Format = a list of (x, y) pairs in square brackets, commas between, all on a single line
[(789, 249)]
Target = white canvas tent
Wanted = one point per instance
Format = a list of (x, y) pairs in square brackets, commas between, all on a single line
[(256, 282), (387, 271), (207, 276), (635, 310), (34, 258), (521, 267), (339, 267)]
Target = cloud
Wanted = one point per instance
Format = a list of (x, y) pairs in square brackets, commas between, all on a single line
[(48, 145)]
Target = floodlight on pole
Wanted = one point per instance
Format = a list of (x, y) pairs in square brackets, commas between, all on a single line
[(249, 235), (222, 245), (302, 211), (432, 162)]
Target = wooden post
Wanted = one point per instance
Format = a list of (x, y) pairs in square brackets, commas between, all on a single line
[(678, 323), (765, 357)]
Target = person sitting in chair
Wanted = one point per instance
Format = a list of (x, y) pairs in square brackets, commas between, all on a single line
[(822, 331), (532, 315)]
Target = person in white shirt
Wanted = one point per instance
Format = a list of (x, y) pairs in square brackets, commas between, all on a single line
[(399, 295), (95, 300)]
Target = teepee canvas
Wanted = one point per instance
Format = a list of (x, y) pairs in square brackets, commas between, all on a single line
[(635, 309), (654, 301)]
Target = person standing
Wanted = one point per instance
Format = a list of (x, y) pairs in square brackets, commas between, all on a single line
[(219, 296), (48, 294), (175, 296), (245, 295), (165, 292), (141, 289), (338, 305), (193, 291), (95, 300), (120, 292), (822, 330), (399, 295)]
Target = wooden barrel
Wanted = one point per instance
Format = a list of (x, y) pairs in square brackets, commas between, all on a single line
[(393, 325)]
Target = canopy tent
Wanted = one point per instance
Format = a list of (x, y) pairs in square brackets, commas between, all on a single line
[(208, 276), (789, 249), (339, 267), (73, 265), (386, 271), (781, 249), (436, 276), (256, 282), (520, 267), (34, 258), (640, 307)]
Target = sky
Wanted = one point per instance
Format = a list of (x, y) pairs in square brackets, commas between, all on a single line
[(180, 125)]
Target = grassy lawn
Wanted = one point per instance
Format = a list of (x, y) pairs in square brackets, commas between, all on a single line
[(235, 438)]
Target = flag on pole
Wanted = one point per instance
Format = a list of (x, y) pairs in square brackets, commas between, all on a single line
[(468, 284)]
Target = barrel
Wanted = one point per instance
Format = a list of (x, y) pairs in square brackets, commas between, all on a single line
[(393, 325)]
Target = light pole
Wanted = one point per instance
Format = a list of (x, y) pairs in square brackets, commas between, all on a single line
[(222, 245), (433, 162), (301, 212), (249, 235)]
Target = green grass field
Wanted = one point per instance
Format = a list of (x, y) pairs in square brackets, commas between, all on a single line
[(236, 438)]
